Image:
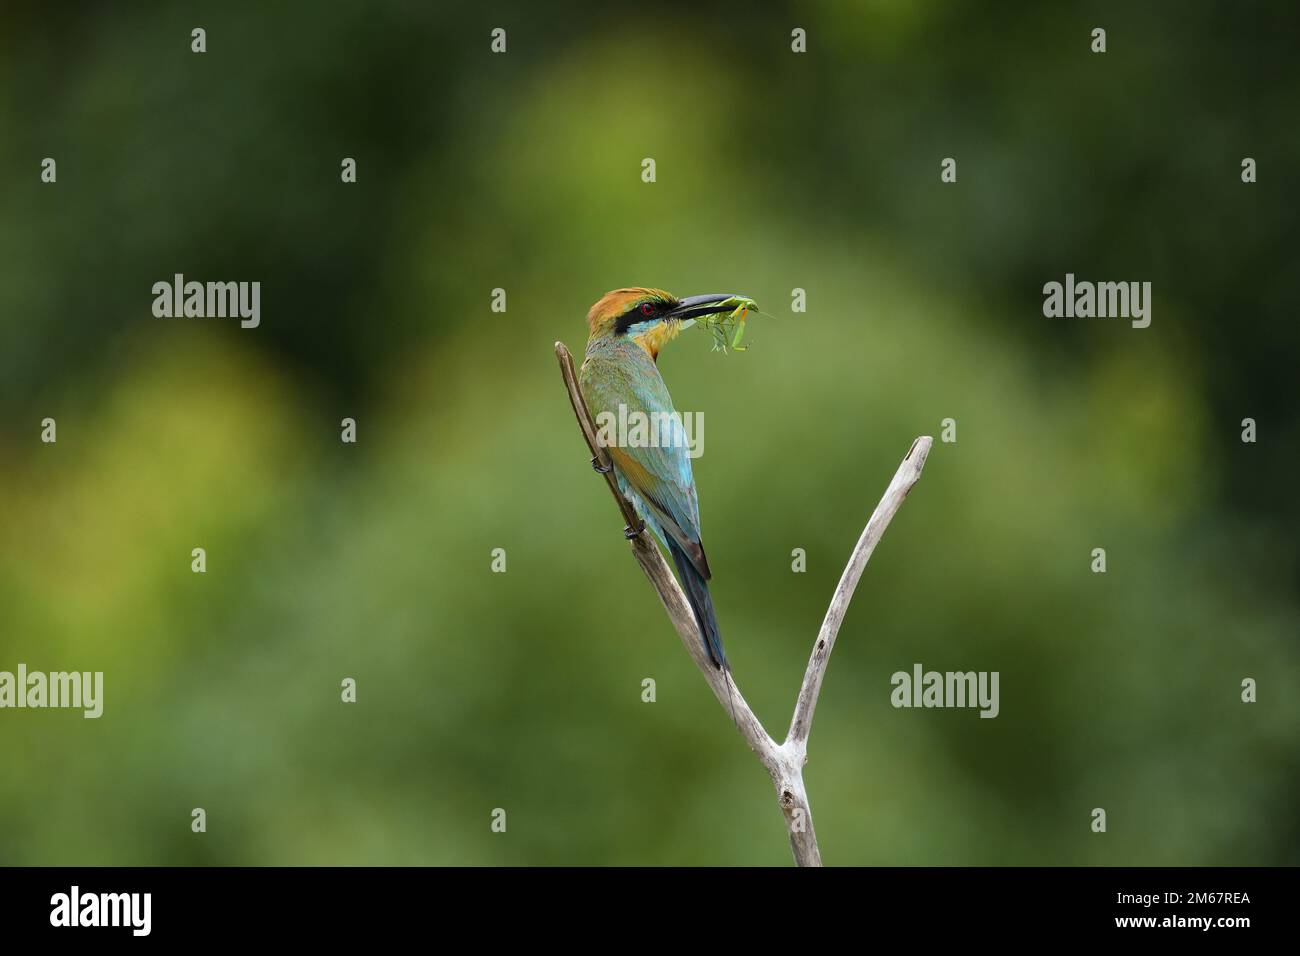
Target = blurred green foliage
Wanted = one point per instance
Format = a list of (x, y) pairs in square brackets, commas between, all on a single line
[(775, 171)]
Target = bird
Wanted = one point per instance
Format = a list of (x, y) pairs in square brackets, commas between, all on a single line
[(627, 328)]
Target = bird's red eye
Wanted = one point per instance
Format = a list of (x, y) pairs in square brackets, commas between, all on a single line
[(647, 308)]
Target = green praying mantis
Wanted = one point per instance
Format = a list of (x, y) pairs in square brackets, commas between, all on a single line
[(728, 328)]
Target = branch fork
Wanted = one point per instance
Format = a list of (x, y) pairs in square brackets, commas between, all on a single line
[(783, 761)]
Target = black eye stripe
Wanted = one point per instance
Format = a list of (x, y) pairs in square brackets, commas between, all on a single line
[(634, 315)]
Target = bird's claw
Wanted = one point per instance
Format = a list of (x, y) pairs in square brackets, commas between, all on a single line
[(630, 533), (595, 463)]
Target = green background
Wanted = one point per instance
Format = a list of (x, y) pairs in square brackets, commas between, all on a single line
[(522, 171)]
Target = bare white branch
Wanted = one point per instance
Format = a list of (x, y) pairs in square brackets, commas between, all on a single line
[(783, 762), (909, 472)]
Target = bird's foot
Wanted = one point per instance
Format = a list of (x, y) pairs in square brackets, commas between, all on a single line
[(630, 532), (595, 463)]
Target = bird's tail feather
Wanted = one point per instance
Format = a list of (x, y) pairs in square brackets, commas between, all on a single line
[(697, 592)]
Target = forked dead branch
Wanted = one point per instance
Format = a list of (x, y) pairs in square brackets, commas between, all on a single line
[(784, 761)]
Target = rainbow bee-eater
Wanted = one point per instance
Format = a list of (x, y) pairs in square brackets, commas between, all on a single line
[(627, 328)]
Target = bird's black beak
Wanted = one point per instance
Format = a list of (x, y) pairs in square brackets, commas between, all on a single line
[(697, 306)]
